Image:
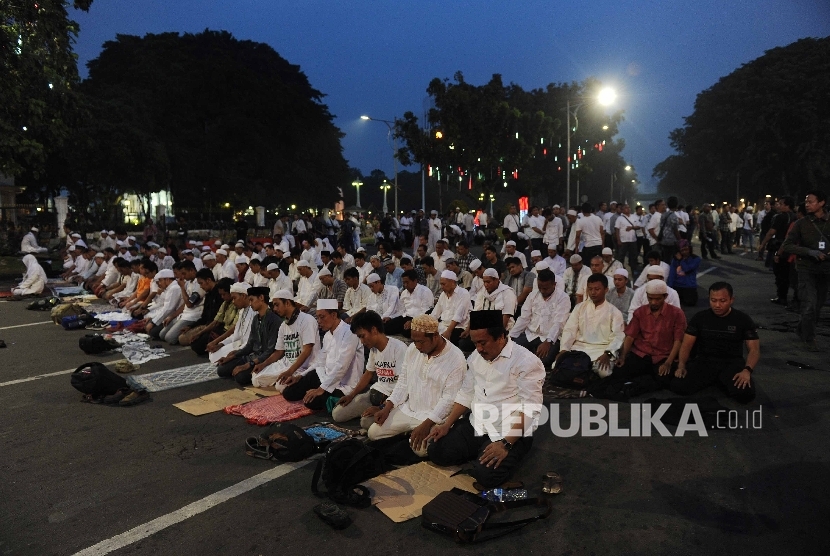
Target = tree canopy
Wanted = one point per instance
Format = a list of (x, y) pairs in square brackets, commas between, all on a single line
[(496, 137), (39, 71), (768, 121)]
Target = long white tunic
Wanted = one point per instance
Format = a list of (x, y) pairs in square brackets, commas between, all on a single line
[(340, 363), (455, 307), (593, 329), (418, 302), (502, 299), (543, 318), (386, 303), (357, 299), (34, 281)]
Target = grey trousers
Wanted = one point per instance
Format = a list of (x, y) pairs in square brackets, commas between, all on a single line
[(170, 333)]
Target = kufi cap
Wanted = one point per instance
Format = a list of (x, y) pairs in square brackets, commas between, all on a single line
[(324, 272), (208, 257), (575, 259), (424, 323), (120, 243), (240, 242), (35, 229), (217, 242), (388, 260), (205, 247), (572, 212), (653, 270), (198, 244), (131, 238), (542, 265), (162, 250), (374, 257), (267, 244), (71, 248), (75, 235), (535, 253), (372, 278), (241, 259), (475, 265), (303, 263), (556, 206), (656, 287), (221, 252), (164, 273), (80, 243), (449, 275), (240, 287), (272, 266), (225, 246), (433, 212), (361, 249), (511, 242), (99, 254), (284, 294), (621, 272), (112, 233), (607, 251), (485, 319), (330, 304), (102, 232), (191, 242), (492, 273)]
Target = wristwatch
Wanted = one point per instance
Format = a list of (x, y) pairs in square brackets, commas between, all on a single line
[(507, 445), (750, 369), (610, 354)]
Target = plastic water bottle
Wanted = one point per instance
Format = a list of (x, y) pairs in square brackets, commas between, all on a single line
[(505, 495)]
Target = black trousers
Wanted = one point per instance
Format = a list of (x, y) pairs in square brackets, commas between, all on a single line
[(310, 381), (522, 340), (462, 445), (781, 269), (636, 366), (226, 371), (199, 345), (629, 249), (706, 371), (725, 241), (688, 296), (590, 252), (394, 326), (707, 240)]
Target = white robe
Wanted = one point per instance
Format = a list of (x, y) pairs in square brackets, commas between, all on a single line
[(35, 279)]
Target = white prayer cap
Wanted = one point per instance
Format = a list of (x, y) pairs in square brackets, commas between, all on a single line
[(279, 248), (372, 278), (221, 252), (131, 238), (191, 242), (330, 304), (556, 206), (491, 272), (522, 235), (541, 265), (35, 229), (656, 287), (303, 263), (162, 250), (324, 272), (208, 257), (654, 270), (217, 242), (240, 287), (607, 251), (104, 232), (361, 249), (76, 235), (284, 294), (205, 247), (120, 243), (621, 272), (241, 259), (224, 246), (164, 273), (240, 242), (449, 275), (511, 242), (71, 248), (572, 212), (272, 266), (99, 254), (535, 253), (444, 240), (575, 259), (433, 212), (112, 233), (475, 265)]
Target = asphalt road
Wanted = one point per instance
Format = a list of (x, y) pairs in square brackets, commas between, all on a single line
[(75, 475)]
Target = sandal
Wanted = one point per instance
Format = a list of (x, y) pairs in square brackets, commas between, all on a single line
[(134, 398), (552, 483), (255, 448), (333, 515), (119, 395), (89, 398)]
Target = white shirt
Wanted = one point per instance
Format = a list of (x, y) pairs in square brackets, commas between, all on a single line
[(29, 244), (241, 330), (576, 287), (165, 304), (653, 224), (593, 329), (591, 229), (682, 219), (340, 363), (312, 257), (441, 260), (641, 298), (192, 313), (482, 219), (623, 222), (453, 308), (469, 222), (535, 222), (553, 232), (364, 271), (292, 337), (518, 254), (643, 278), (434, 227), (606, 221), (557, 265), (476, 286), (502, 299), (110, 276), (307, 290), (543, 318), (386, 303), (418, 302), (427, 386), (229, 270), (281, 282), (515, 376), (512, 223), (357, 299), (386, 364)]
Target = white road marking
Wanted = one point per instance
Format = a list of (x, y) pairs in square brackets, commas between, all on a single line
[(707, 271), (30, 324), (160, 523)]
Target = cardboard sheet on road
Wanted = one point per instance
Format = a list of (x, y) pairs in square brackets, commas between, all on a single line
[(210, 403), (264, 392), (401, 494)]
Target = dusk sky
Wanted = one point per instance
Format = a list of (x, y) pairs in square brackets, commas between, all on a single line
[(377, 58)]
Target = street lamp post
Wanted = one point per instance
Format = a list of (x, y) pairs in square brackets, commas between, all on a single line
[(357, 185), (393, 144), (605, 97), (385, 187)]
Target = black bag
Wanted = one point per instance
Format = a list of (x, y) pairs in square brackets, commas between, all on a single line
[(43, 304), (573, 370), (93, 344), (287, 442), (346, 465), (96, 380), (463, 515)]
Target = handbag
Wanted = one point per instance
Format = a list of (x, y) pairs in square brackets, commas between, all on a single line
[(464, 516)]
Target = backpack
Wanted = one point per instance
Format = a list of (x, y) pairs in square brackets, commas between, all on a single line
[(287, 442), (76, 322), (43, 304), (573, 370), (96, 380), (93, 344), (345, 465), (661, 236), (66, 310)]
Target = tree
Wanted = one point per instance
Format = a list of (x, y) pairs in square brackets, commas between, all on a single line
[(39, 74), (235, 121), (767, 122)]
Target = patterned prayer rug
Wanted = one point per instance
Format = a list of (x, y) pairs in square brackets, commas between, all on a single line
[(274, 409), (174, 378)]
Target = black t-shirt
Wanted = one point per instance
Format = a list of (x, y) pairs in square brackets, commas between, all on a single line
[(781, 222), (721, 337)]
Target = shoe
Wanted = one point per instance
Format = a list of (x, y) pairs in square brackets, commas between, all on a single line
[(333, 515), (134, 398), (117, 397), (779, 301)]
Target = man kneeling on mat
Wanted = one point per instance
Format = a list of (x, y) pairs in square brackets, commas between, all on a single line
[(505, 377)]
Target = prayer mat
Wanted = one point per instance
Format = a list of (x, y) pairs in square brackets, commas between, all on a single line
[(66, 291), (329, 432), (217, 401), (174, 378), (401, 494), (274, 409)]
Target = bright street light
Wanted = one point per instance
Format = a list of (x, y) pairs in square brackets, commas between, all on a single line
[(607, 96), (628, 168), (357, 185), (385, 187)]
